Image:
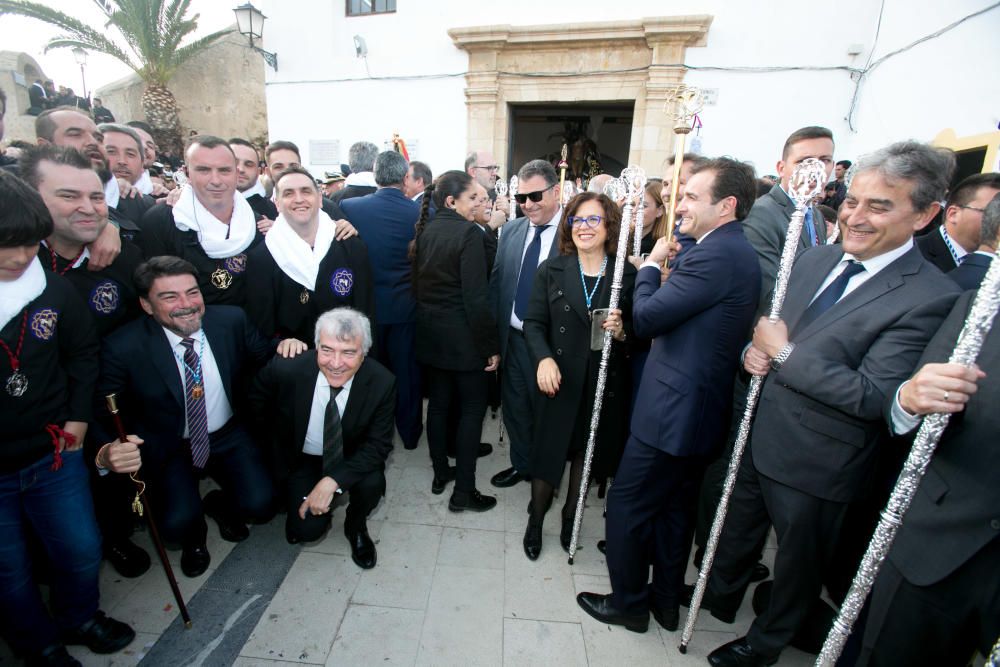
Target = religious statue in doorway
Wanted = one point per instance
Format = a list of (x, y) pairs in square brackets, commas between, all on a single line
[(583, 158)]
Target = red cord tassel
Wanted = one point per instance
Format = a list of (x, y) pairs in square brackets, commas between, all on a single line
[(55, 433)]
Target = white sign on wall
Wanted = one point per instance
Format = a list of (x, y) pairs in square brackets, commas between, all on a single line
[(324, 151)]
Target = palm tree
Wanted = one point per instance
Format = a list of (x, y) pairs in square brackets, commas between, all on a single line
[(147, 36)]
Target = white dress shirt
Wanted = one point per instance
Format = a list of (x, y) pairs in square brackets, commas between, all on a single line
[(872, 267), (217, 406), (548, 238), (317, 413)]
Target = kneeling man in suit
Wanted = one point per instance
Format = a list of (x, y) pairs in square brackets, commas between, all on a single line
[(332, 429)]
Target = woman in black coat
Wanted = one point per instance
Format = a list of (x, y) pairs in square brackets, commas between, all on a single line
[(456, 332), (557, 329)]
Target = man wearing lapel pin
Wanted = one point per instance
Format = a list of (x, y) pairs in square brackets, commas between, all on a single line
[(856, 319), (333, 432)]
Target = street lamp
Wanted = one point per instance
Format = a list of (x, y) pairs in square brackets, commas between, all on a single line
[(81, 59), (250, 22)]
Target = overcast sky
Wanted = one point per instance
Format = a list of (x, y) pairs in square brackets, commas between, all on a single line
[(30, 36)]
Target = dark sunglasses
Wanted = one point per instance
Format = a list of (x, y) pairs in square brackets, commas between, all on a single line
[(535, 196), (592, 221)]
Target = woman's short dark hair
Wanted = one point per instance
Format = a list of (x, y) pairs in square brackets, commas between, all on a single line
[(612, 222), (24, 218), (158, 267)]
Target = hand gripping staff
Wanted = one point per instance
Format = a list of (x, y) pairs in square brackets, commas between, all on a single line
[(635, 179), (970, 342), (141, 506), (806, 184)]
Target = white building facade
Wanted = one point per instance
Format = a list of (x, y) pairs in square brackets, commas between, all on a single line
[(449, 76)]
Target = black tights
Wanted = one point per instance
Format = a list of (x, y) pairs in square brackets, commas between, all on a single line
[(542, 491)]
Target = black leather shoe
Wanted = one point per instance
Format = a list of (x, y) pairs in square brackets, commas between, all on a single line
[(485, 449), (362, 549), (231, 529), (566, 533), (195, 560), (738, 653), (128, 559), (668, 619), (724, 615), (505, 478), (533, 541), (599, 606), (437, 486), (602, 545), (471, 502), (101, 634), (760, 572), (54, 655)]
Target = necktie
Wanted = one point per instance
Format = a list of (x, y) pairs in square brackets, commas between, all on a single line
[(333, 435), (830, 295), (197, 418), (811, 228), (527, 276)]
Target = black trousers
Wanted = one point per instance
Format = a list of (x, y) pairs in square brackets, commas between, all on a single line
[(940, 625), (395, 350), (650, 517), (518, 386), (364, 497), (807, 528), (466, 392), (234, 462)]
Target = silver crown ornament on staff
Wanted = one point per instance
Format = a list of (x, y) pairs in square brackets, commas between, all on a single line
[(635, 188), (685, 103), (970, 341), (635, 178), (513, 193), (807, 182)]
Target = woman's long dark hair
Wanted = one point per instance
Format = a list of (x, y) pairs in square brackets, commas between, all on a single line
[(449, 184)]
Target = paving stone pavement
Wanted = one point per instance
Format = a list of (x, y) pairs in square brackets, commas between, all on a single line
[(449, 589)]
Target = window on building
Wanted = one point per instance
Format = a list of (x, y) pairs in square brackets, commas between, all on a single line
[(365, 7)]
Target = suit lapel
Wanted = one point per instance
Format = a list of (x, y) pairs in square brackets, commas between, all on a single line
[(162, 358), (305, 387), (222, 351), (568, 278), (797, 299), (355, 400)]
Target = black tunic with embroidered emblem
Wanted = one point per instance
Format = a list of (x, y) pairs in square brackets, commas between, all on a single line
[(59, 360), (222, 280), (109, 294), (282, 308)]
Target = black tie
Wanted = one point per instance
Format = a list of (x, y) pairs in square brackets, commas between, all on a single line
[(830, 295), (333, 435), (529, 266)]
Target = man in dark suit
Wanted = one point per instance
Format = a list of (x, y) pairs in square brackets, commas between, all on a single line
[(949, 245), (248, 181), (525, 243), (178, 376), (855, 320), (331, 429), (936, 598), (385, 220), (37, 98), (681, 412), (361, 180), (969, 274)]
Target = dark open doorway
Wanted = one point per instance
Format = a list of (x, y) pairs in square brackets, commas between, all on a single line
[(598, 135)]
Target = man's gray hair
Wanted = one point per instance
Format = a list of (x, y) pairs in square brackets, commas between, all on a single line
[(471, 159), (990, 230), (390, 168), (345, 324), (361, 156), (123, 129), (538, 168), (598, 183), (929, 169)]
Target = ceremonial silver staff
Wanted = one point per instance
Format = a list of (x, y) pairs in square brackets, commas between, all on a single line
[(500, 187), (630, 180), (807, 181), (687, 102), (639, 175), (513, 193), (970, 342)]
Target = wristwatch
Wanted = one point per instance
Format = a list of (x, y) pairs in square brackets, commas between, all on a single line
[(782, 356)]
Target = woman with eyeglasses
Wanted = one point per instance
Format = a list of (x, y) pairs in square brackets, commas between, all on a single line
[(456, 332), (569, 290)]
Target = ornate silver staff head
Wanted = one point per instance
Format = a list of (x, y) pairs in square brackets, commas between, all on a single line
[(513, 185), (501, 187), (615, 190), (683, 104), (568, 192), (807, 182)]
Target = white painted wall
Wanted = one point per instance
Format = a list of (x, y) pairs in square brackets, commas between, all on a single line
[(322, 91)]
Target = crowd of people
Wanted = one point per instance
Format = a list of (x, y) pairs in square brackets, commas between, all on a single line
[(276, 333)]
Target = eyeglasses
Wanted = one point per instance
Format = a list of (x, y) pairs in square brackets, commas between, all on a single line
[(536, 196), (488, 167), (592, 221), (973, 208)]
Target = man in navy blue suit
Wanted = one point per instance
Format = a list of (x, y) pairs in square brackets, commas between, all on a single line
[(385, 220), (698, 321)]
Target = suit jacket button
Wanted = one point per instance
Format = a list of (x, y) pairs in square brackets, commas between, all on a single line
[(562, 329), (560, 293), (559, 351), (995, 524), (566, 308)]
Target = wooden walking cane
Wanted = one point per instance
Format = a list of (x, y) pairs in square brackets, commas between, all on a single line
[(141, 506)]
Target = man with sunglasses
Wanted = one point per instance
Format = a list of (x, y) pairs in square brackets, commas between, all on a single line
[(526, 242)]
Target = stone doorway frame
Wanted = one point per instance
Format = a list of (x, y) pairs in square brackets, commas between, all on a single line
[(578, 62)]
